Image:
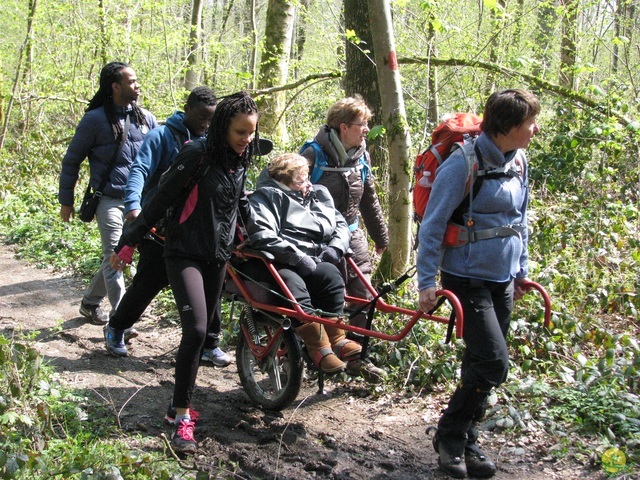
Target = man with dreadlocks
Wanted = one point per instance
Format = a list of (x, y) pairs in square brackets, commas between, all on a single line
[(98, 137), (201, 195)]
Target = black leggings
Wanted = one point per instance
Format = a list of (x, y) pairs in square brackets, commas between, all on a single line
[(149, 280), (196, 288)]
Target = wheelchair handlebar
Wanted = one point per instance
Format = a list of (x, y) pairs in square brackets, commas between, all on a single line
[(527, 286)]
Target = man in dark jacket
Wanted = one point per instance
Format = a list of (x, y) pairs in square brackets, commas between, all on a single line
[(338, 153), (98, 136)]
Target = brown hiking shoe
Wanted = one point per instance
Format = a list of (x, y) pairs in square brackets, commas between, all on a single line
[(366, 369)]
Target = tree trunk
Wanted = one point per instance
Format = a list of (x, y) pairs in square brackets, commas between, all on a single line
[(300, 36), (16, 84), (361, 77), (274, 67), (222, 28), (497, 27), (546, 17), (568, 50), (253, 60), (624, 19), (433, 115), (395, 122), (191, 77)]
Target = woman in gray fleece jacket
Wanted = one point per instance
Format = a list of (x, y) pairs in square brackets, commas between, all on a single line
[(484, 272)]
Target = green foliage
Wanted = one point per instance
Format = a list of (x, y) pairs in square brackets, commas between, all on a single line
[(47, 431), (31, 221)]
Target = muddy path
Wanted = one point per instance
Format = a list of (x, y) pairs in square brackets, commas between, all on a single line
[(346, 433)]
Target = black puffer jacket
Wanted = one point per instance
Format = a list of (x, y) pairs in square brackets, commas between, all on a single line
[(201, 220), (290, 226)]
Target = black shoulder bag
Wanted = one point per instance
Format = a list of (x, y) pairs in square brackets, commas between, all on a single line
[(92, 197)]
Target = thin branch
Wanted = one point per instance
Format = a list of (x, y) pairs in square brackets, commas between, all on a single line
[(16, 82), (302, 81), (564, 92)]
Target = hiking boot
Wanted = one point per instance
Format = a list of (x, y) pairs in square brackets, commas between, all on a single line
[(451, 463), (170, 417), (130, 333), (366, 369), (182, 436), (478, 464), (94, 313), (216, 356), (318, 346), (342, 347), (114, 341)]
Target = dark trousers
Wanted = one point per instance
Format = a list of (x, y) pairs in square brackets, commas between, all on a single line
[(196, 288), (323, 289), (149, 280), (487, 308)]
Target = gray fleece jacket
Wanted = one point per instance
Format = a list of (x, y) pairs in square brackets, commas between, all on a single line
[(500, 201)]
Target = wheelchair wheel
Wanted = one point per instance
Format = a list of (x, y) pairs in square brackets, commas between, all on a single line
[(274, 381)]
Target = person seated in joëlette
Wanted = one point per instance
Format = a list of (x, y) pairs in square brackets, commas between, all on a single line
[(298, 224)]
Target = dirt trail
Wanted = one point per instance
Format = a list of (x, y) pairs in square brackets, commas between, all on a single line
[(345, 434)]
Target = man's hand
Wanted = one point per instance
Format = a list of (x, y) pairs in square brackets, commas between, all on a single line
[(67, 212), (116, 262), (131, 215), (427, 299), (380, 250)]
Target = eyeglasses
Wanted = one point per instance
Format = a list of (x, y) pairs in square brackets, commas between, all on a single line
[(301, 183), (361, 125)]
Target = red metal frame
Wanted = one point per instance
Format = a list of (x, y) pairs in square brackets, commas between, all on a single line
[(528, 286), (296, 311)]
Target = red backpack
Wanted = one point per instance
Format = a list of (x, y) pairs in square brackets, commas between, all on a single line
[(459, 131), (447, 136)]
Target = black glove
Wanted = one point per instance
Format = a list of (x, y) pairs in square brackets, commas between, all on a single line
[(331, 255), (306, 266)]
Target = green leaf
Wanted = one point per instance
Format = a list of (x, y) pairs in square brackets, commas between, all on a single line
[(634, 126), (491, 4), (376, 132), (581, 359)]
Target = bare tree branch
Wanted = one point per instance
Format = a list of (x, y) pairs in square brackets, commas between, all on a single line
[(575, 97)]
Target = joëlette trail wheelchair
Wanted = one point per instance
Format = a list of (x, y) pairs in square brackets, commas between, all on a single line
[(269, 356)]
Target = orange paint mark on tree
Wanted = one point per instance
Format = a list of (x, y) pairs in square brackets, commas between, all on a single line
[(392, 60)]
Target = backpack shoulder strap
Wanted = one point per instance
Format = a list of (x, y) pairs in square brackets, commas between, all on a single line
[(179, 137), (475, 175), (365, 167), (321, 162)]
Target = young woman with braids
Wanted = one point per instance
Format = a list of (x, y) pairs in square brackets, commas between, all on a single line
[(97, 138), (202, 194)]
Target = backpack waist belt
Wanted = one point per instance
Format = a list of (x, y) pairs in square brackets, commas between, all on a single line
[(486, 234), (457, 235), (324, 168)]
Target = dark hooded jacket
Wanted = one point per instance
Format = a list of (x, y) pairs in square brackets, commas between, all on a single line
[(290, 226)]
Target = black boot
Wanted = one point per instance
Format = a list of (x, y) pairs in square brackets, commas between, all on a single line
[(453, 427), (448, 460), (478, 464)]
